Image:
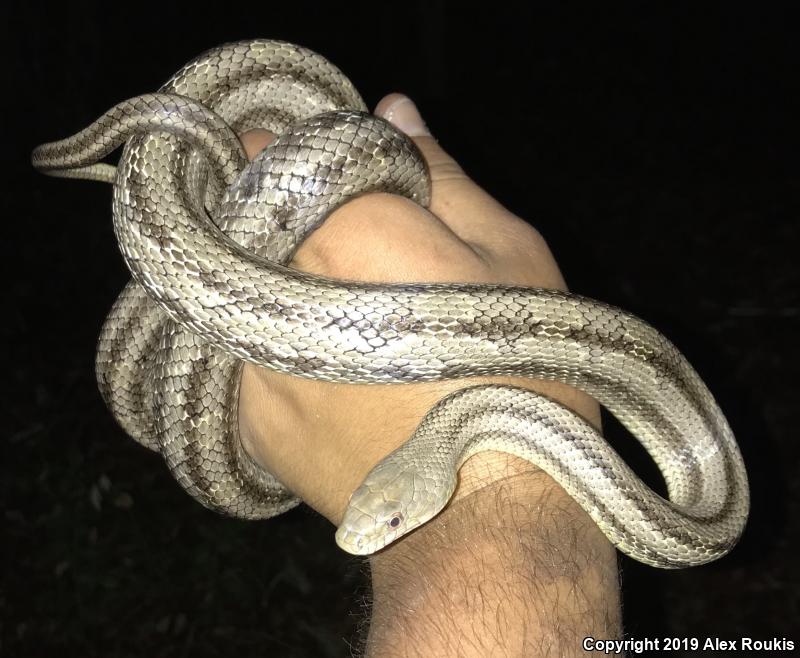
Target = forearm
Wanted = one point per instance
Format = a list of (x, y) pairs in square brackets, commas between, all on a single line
[(514, 569)]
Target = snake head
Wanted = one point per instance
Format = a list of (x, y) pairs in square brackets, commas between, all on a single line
[(391, 502)]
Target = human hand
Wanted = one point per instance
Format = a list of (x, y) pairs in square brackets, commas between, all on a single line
[(319, 438), (512, 563)]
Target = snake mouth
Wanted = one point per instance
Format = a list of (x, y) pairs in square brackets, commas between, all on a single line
[(353, 542)]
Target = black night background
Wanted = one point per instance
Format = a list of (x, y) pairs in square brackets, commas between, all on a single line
[(656, 150)]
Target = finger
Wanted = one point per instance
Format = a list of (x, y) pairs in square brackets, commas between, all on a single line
[(255, 141), (468, 210)]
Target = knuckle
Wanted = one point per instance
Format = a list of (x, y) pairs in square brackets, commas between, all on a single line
[(358, 236), (446, 170)]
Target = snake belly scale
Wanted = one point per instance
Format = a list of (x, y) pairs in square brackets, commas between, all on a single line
[(207, 236)]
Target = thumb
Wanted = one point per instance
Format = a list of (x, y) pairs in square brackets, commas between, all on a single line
[(400, 111), (456, 199)]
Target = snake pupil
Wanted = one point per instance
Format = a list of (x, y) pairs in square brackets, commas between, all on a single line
[(395, 520)]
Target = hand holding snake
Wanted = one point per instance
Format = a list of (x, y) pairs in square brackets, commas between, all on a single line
[(321, 439), (202, 302)]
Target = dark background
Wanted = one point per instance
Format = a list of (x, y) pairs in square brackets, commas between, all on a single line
[(657, 152)]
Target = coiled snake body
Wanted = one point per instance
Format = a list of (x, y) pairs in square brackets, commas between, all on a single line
[(206, 237)]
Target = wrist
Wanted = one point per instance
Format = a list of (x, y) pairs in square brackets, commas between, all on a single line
[(514, 552)]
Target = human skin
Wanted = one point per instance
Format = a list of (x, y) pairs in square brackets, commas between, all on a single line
[(512, 566)]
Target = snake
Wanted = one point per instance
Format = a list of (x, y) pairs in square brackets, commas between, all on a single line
[(207, 237)]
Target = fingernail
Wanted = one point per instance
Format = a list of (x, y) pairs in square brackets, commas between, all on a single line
[(403, 114)]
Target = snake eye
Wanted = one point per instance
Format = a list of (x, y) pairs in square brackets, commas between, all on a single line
[(396, 520)]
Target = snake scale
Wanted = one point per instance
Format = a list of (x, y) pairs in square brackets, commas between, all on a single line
[(207, 237)]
